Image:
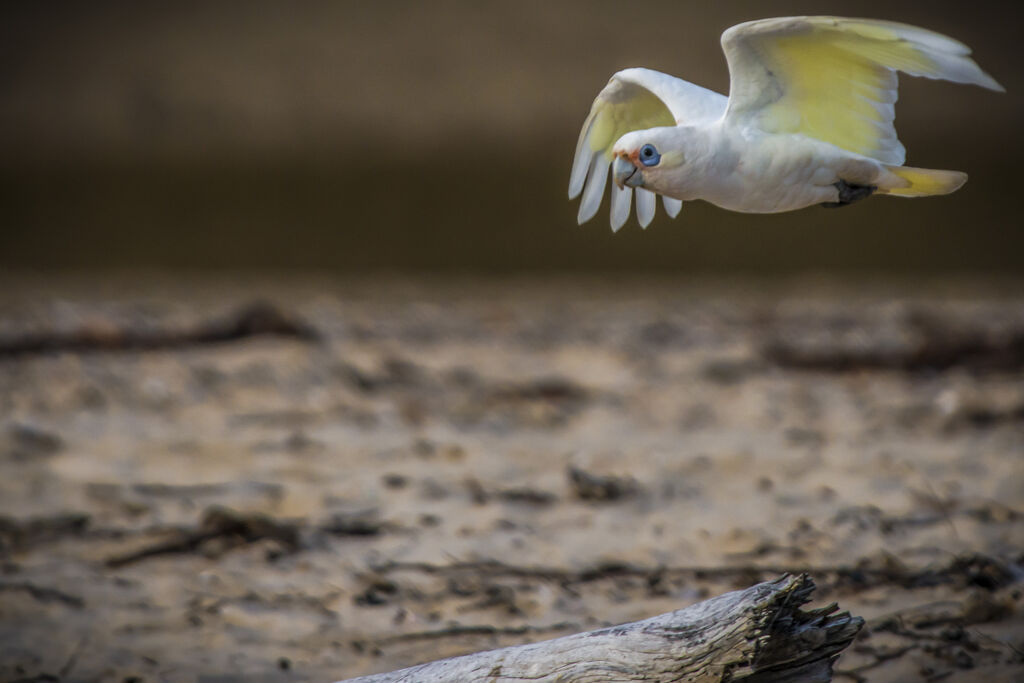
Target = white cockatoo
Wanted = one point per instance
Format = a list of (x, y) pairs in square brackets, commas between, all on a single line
[(808, 120)]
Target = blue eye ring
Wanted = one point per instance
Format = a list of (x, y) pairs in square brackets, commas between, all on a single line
[(649, 155)]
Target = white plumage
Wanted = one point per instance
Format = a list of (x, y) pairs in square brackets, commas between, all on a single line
[(808, 120)]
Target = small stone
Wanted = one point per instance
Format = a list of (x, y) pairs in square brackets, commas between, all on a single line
[(25, 441), (395, 481)]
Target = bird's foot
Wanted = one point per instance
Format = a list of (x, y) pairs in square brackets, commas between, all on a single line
[(848, 194)]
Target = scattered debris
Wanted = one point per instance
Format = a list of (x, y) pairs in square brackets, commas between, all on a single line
[(984, 417), (526, 495), (555, 389), (257, 319), (354, 524), (23, 441), (521, 494), (379, 591), (731, 371), (42, 593), (218, 524), (18, 534), (601, 488), (393, 480), (936, 345), (221, 530)]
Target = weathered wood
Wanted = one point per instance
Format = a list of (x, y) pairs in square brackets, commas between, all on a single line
[(758, 635)]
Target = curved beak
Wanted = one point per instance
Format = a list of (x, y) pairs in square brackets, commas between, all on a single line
[(626, 173)]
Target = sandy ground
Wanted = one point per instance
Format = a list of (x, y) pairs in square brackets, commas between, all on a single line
[(417, 469)]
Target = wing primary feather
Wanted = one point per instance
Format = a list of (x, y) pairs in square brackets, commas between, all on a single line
[(598, 178), (646, 203), (621, 200), (835, 79), (581, 162), (672, 206)]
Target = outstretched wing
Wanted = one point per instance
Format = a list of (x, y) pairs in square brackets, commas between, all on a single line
[(834, 79), (634, 99)]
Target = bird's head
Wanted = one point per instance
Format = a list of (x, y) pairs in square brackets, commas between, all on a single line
[(646, 158)]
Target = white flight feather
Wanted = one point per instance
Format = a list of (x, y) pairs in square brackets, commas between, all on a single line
[(591, 201), (646, 203), (621, 199), (672, 205)]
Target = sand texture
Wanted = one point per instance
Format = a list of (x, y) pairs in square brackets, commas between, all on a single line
[(281, 479)]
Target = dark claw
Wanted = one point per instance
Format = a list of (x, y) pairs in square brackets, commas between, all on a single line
[(848, 194)]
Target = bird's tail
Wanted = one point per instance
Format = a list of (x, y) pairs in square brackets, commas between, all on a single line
[(907, 181)]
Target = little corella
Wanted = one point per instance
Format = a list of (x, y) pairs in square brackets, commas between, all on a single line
[(808, 120)]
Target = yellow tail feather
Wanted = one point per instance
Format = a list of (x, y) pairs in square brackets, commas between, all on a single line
[(921, 182)]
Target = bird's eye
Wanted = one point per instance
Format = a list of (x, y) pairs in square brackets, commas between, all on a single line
[(649, 155)]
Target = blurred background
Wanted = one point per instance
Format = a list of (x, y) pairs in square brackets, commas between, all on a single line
[(398, 135)]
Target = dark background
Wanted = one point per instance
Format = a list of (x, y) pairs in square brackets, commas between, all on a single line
[(438, 136)]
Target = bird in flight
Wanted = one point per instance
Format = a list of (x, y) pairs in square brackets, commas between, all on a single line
[(808, 120)]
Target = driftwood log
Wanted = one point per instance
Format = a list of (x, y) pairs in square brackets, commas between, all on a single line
[(758, 635)]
